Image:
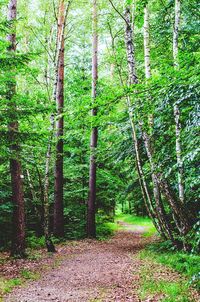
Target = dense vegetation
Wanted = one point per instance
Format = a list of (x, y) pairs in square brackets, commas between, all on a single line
[(144, 150)]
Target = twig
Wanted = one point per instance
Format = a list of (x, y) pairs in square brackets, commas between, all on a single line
[(118, 11)]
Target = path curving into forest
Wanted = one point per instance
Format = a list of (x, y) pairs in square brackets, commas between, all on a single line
[(90, 271)]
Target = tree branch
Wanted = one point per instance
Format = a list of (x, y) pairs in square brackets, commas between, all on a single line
[(118, 11)]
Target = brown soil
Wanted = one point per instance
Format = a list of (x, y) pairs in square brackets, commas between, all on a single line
[(89, 271)]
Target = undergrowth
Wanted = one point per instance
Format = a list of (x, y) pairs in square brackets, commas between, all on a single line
[(186, 264), (169, 291), (6, 286)]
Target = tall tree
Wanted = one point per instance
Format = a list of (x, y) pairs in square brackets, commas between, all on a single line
[(129, 18), (91, 225), (133, 79), (58, 202), (48, 240), (147, 43), (159, 183), (18, 226), (177, 113), (159, 212)]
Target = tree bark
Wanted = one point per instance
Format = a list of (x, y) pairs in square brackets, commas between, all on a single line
[(176, 107), (163, 225), (179, 153), (129, 41), (176, 31), (18, 224), (48, 240), (58, 186), (147, 43), (130, 50), (91, 225), (122, 83)]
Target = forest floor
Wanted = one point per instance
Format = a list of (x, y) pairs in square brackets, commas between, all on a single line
[(90, 270)]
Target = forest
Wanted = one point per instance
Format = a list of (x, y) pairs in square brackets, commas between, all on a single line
[(99, 124)]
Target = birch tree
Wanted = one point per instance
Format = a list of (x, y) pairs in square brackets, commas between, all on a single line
[(177, 114)]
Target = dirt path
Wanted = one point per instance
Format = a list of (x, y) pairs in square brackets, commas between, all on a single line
[(89, 271)]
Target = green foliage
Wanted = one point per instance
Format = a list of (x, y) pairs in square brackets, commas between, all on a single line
[(105, 226), (28, 275), (106, 230), (34, 242), (169, 291), (187, 264), (6, 286)]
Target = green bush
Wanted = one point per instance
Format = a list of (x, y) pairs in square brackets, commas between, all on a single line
[(106, 230), (34, 242)]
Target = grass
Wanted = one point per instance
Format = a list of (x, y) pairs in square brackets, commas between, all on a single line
[(170, 291), (158, 256), (138, 221), (186, 264), (6, 286), (28, 275), (106, 230)]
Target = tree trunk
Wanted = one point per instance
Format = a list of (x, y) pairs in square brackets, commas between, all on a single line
[(18, 224), (147, 43), (122, 83), (177, 208), (130, 50), (58, 202), (91, 226), (176, 107), (176, 31), (165, 226), (162, 225), (129, 41), (178, 153), (49, 243)]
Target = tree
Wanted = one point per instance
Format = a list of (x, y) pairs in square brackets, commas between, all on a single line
[(58, 202), (91, 228), (18, 224), (176, 107)]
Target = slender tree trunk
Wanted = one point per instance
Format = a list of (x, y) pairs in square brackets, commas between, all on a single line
[(129, 41), (122, 83), (176, 31), (57, 64), (41, 186), (48, 240), (129, 34), (130, 50), (33, 193), (165, 226), (58, 202), (147, 43), (18, 224), (176, 107), (159, 211), (178, 209), (178, 153), (91, 226)]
